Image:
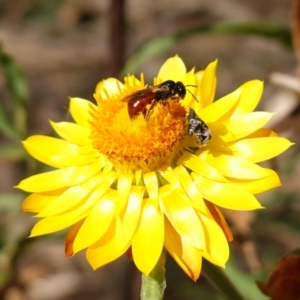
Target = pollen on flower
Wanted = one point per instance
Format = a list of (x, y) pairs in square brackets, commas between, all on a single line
[(139, 143)]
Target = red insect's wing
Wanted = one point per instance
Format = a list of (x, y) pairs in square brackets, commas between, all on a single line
[(140, 95), (160, 88)]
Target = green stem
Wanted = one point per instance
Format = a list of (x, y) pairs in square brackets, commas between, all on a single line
[(220, 281), (154, 284)]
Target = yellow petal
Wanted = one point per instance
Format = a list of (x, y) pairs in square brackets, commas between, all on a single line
[(62, 221), (150, 180), (130, 216), (227, 195), (190, 83), (56, 152), (80, 111), (182, 215), (251, 92), (173, 69), (36, 202), (238, 127), (56, 223), (184, 185), (220, 110), (96, 222), (71, 237), (262, 132), (107, 249), (219, 218), (108, 87), (138, 177), (199, 76), (194, 163), (208, 84), (169, 176), (188, 257), (242, 100), (179, 178), (124, 186), (233, 167), (147, 243), (74, 195), (259, 149), (217, 245), (191, 189), (118, 237), (61, 178), (260, 185), (72, 132)]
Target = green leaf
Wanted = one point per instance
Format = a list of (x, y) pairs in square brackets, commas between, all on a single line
[(11, 202), (245, 283), (12, 152), (160, 44), (18, 87), (14, 77), (6, 126), (226, 287)]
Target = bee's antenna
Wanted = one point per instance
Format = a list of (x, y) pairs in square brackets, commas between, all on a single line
[(192, 93)]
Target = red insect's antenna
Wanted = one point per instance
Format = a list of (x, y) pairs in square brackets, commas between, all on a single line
[(191, 92)]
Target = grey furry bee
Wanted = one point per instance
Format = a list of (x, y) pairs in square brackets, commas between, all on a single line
[(198, 127)]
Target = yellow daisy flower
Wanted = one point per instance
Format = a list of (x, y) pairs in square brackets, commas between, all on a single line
[(142, 182)]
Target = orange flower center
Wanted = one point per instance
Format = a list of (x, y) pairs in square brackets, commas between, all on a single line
[(139, 143)]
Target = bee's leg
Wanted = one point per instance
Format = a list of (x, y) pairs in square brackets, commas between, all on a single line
[(147, 112), (168, 104)]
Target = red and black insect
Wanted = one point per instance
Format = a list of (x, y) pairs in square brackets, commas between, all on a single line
[(138, 101), (143, 101)]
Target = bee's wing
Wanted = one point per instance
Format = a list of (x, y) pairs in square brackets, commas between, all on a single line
[(145, 93), (160, 88), (138, 95)]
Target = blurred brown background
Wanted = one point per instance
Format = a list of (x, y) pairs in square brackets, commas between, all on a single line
[(64, 47)]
